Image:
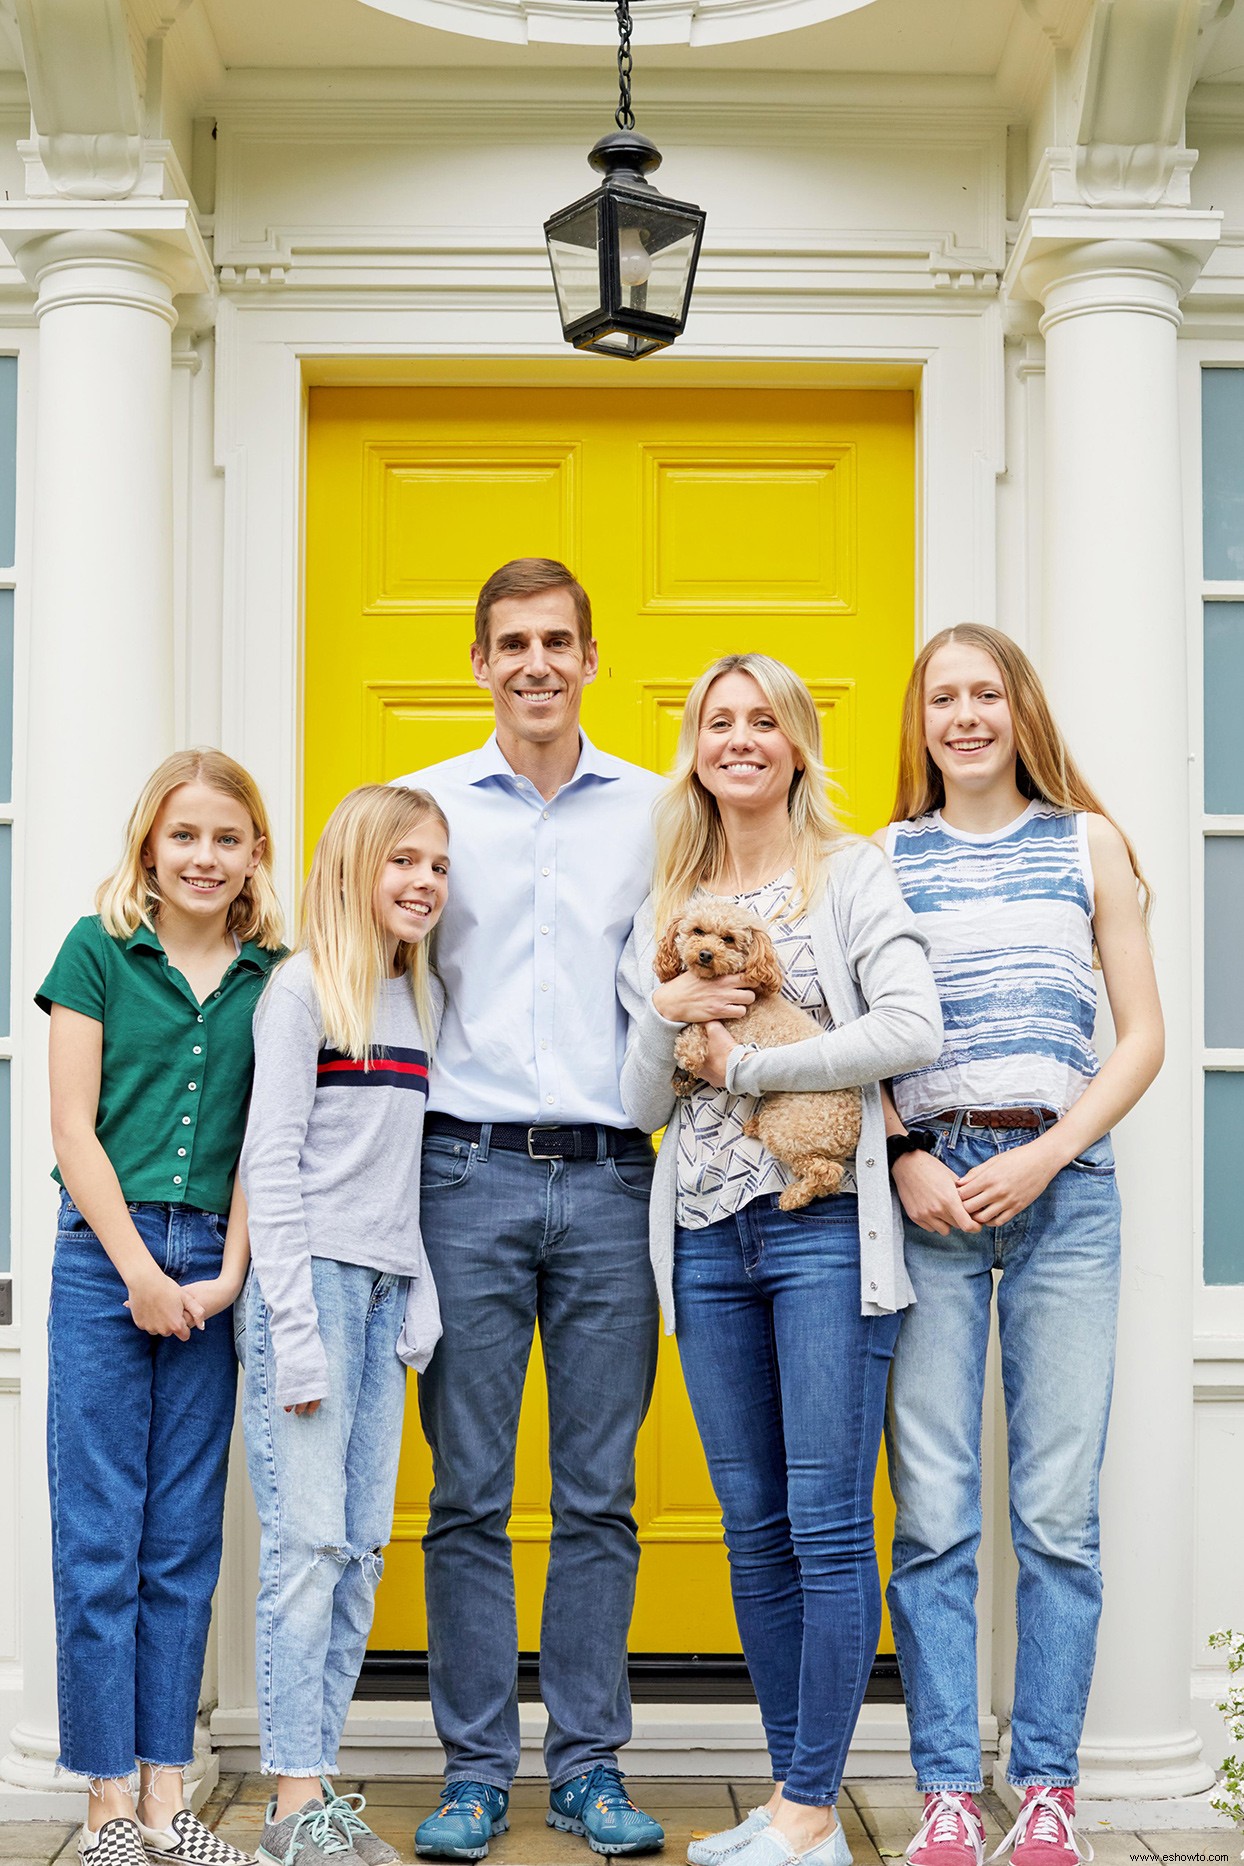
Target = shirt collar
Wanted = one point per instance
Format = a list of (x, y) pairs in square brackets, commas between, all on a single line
[(257, 957), (490, 761), (143, 936)]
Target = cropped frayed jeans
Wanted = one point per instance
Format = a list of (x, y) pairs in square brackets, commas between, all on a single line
[(138, 1444), (787, 1382), (1057, 1305), (324, 1484)]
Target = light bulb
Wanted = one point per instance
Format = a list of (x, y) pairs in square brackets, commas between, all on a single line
[(634, 259)]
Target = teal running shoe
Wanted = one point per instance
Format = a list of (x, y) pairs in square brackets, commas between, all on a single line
[(469, 1814), (598, 1806)]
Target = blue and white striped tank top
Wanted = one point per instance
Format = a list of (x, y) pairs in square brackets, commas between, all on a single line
[(1009, 921)]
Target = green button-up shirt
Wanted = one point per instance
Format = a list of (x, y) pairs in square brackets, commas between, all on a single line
[(176, 1074)]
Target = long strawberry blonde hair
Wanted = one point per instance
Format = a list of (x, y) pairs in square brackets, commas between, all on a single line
[(690, 839), (1044, 768), (339, 927), (131, 895)]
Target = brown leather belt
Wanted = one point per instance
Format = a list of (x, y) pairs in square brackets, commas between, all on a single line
[(998, 1117)]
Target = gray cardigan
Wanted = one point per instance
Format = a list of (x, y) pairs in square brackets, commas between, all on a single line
[(874, 972)]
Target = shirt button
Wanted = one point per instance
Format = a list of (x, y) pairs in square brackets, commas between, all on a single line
[(198, 1050), (545, 871), (544, 984), (185, 1120), (545, 815), (200, 1017), (872, 1234), (544, 1043), (549, 1100), (181, 1153), (192, 1085), (869, 1162), (176, 1179), (544, 929), (872, 1286)]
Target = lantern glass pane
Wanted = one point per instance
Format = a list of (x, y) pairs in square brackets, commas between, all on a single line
[(573, 253), (656, 247)]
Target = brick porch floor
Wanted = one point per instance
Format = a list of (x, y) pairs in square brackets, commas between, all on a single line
[(879, 1818)]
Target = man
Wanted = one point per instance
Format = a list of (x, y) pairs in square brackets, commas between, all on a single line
[(535, 1206)]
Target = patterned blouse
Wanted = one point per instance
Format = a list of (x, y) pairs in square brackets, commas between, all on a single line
[(719, 1169)]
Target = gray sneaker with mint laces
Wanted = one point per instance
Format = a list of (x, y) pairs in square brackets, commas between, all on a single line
[(311, 1837), (347, 1812)]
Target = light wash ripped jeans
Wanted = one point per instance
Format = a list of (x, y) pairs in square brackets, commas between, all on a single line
[(324, 1486), (1058, 1296)]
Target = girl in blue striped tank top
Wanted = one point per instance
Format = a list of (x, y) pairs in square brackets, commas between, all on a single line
[(1001, 1157)]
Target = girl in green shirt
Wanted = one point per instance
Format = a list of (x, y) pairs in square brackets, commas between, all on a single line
[(151, 1059)]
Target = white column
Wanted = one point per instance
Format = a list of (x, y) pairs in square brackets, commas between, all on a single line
[(1113, 653), (100, 712)]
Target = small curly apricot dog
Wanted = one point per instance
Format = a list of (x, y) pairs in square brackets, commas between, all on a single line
[(812, 1131)]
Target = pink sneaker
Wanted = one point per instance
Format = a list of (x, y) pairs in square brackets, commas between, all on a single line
[(952, 1833), (1044, 1835)]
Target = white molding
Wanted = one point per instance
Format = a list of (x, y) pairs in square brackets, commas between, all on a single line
[(656, 22), (1218, 1367), (385, 1738), (262, 239), (264, 91), (268, 346)]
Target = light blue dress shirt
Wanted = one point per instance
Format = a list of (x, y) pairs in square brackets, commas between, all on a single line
[(541, 900)]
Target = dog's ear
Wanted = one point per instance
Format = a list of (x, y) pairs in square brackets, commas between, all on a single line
[(666, 962), (763, 974)]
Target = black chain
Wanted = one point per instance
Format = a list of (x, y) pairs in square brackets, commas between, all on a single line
[(624, 116)]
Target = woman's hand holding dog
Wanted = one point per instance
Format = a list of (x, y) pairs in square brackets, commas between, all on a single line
[(689, 999), (718, 1045)]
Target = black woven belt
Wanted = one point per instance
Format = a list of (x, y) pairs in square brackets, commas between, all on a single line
[(539, 1143)]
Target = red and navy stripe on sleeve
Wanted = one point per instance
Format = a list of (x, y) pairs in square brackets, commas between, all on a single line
[(389, 1067)]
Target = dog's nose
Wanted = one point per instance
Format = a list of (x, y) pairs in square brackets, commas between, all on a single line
[(705, 958)]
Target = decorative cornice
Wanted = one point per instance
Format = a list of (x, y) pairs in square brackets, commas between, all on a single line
[(160, 236), (1110, 244)]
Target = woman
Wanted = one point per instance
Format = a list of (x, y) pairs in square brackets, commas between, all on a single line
[(1001, 1156), (786, 1321)]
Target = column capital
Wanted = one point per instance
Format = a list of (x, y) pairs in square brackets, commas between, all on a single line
[(1073, 260), (140, 253)]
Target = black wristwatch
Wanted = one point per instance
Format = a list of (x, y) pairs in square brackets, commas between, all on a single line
[(915, 1140)]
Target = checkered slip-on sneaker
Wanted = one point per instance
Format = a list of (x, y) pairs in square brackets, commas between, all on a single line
[(118, 1843), (187, 1839)]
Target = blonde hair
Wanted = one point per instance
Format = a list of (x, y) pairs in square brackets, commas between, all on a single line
[(338, 925), (131, 895), (690, 839), (1044, 768)]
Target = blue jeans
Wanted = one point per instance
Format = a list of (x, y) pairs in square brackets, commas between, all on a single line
[(513, 1241), (1057, 1304), (324, 1485), (138, 1443), (787, 1382)]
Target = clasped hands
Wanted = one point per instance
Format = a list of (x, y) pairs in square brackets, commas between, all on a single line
[(990, 1194), (161, 1306), (712, 1002)]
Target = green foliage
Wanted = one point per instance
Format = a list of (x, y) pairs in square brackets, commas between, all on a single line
[(1228, 1797)]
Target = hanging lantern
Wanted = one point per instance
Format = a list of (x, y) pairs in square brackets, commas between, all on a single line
[(624, 257)]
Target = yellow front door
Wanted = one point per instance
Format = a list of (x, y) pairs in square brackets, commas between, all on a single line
[(700, 521)]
